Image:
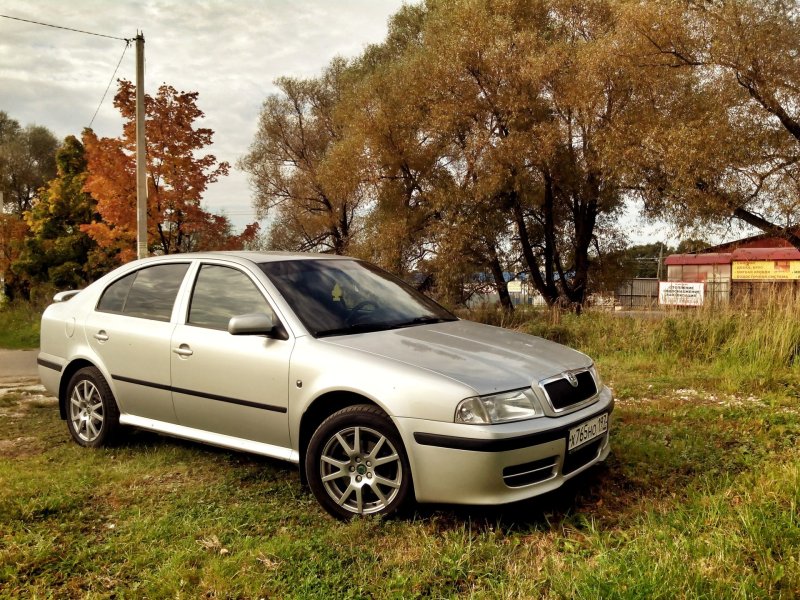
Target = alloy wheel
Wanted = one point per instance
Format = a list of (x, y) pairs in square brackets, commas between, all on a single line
[(86, 411), (361, 470)]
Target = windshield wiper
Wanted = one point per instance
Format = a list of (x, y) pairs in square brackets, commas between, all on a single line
[(426, 320), (356, 328)]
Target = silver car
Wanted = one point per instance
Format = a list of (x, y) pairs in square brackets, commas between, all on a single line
[(379, 394)]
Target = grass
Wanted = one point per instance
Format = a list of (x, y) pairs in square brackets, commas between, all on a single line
[(19, 326), (699, 498)]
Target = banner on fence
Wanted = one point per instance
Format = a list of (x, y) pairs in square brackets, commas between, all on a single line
[(680, 293)]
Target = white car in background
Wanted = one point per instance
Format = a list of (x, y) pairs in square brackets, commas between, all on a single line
[(377, 392)]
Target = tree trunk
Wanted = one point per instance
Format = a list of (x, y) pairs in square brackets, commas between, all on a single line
[(545, 285), (499, 279)]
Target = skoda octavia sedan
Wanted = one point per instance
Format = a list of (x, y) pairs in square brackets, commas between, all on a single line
[(380, 395)]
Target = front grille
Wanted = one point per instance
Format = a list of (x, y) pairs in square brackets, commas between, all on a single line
[(580, 457), (528, 473), (563, 395)]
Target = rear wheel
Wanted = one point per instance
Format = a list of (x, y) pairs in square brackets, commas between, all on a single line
[(92, 413), (356, 464)]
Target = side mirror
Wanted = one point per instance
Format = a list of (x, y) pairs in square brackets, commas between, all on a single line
[(252, 324)]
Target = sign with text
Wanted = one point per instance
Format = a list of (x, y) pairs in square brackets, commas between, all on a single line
[(680, 293), (770, 270)]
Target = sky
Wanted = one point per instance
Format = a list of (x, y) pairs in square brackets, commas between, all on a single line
[(229, 51)]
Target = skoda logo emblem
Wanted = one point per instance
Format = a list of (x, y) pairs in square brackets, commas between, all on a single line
[(573, 381)]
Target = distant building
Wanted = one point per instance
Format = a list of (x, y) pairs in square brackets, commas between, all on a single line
[(747, 268)]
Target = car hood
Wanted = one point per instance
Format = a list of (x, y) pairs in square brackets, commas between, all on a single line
[(488, 359)]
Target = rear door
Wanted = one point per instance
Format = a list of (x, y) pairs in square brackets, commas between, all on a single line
[(130, 331), (230, 385)]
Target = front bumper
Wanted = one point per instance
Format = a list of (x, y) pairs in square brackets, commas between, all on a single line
[(495, 464)]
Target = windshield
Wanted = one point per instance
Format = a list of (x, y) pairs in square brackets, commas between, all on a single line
[(340, 297)]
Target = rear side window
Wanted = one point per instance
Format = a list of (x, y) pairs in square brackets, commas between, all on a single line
[(148, 293), (113, 299), (221, 293)]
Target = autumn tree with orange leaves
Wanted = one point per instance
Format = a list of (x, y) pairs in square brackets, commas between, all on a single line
[(178, 173)]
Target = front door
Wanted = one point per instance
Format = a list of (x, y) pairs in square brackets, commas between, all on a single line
[(230, 385)]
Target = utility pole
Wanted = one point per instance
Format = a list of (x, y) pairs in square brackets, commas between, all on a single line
[(141, 175), (660, 257)]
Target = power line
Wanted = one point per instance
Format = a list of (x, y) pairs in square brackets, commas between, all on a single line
[(113, 37), (110, 81), (103, 35)]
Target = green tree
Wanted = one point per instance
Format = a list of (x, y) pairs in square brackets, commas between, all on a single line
[(27, 162), (55, 250)]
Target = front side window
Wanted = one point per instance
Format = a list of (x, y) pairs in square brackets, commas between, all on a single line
[(221, 293), (148, 293)]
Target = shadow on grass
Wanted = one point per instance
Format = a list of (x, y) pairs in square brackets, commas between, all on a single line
[(603, 497), (580, 495), (134, 440)]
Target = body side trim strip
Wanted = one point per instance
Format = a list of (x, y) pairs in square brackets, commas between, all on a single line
[(48, 365), (502, 444), (169, 388)]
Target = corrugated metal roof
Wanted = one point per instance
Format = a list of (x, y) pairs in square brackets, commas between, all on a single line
[(748, 254), (699, 259)]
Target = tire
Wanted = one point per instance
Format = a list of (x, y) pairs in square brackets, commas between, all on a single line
[(356, 464), (92, 412)]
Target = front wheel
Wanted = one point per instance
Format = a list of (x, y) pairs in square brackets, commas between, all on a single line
[(92, 412), (356, 464)]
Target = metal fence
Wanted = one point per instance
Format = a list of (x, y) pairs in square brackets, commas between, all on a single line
[(643, 293), (637, 293)]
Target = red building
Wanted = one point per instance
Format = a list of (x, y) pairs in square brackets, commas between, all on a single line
[(748, 268)]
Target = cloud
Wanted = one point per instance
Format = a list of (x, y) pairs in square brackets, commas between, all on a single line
[(229, 52)]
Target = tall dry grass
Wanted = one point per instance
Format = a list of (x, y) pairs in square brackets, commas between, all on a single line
[(747, 344)]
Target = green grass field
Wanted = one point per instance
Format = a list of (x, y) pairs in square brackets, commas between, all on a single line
[(699, 498), (19, 326)]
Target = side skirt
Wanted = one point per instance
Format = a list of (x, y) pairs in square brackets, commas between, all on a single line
[(215, 439)]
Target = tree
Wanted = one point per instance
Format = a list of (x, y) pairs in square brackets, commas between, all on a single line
[(302, 169), (177, 175), (388, 117), (56, 250), (527, 97), (27, 162), (12, 232), (725, 138), (494, 136)]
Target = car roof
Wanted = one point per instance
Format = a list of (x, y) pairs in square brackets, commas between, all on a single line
[(249, 256)]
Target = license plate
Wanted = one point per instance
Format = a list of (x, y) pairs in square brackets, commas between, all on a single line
[(587, 431)]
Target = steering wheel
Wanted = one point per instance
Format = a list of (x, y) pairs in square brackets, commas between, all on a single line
[(359, 308)]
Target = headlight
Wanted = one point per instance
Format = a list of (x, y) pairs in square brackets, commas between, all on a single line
[(498, 408)]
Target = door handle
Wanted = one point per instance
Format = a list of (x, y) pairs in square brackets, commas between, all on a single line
[(101, 336), (183, 350)]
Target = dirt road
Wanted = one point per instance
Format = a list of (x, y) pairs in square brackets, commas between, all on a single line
[(18, 364)]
